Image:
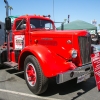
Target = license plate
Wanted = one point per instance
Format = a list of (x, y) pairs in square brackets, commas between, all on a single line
[(83, 78)]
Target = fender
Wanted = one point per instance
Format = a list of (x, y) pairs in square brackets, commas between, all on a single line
[(51, 64)]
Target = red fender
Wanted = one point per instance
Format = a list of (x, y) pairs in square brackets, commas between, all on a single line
[(51, 64)]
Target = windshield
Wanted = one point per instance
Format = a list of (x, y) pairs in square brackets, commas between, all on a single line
[(40, 23)]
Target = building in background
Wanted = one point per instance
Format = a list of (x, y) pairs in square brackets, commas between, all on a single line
[(2, 33), (2, 30)]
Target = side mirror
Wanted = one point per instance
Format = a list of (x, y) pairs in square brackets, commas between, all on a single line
[(8, 23), (23, 26)]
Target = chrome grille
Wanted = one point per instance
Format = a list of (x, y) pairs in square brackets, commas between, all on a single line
[(85, 49)]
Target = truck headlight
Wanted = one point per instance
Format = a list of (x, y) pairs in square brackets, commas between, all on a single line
[(73, 53)]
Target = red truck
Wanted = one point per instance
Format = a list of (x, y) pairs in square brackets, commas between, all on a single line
[(42, 52)]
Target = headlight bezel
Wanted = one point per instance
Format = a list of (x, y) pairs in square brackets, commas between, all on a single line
[(73, 53)]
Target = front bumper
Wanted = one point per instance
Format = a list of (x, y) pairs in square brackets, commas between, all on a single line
[(66, 76)]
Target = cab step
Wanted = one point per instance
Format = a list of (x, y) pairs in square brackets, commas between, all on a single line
[(11, 64)]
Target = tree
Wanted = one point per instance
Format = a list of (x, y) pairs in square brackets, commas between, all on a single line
[(10, 8)]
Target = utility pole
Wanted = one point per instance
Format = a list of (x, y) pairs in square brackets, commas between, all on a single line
[(53, 11), (7, 8), (68, 18)]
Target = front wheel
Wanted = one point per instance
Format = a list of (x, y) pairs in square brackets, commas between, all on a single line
[(34, 77)]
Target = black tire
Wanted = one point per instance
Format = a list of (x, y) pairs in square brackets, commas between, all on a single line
[(41, 83), (2, 66)]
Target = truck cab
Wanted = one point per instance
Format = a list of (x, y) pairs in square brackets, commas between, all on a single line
[(44, 52)]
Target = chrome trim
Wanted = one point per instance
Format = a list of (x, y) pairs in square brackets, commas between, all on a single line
[(63, 77), (85, 48)]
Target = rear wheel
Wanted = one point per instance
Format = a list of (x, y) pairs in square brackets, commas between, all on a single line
[(34, 77)]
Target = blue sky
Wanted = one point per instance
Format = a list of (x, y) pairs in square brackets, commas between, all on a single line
[(86, 10)]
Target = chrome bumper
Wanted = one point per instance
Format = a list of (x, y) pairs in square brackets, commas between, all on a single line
[(66, 76)]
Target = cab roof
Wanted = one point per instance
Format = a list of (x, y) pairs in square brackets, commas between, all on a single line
[(34, 16)]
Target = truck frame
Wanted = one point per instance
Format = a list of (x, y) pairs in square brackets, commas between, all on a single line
[(42, 52)]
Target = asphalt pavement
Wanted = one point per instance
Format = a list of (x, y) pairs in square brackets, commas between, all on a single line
[(13, 87)]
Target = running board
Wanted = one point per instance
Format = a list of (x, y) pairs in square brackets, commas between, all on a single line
[(11, 64)]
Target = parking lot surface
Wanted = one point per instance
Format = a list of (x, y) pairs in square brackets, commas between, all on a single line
[(13, 87)]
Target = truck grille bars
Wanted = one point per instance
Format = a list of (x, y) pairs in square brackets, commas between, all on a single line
[(85, 49)]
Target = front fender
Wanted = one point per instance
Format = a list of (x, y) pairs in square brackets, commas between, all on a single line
[(51, 64)]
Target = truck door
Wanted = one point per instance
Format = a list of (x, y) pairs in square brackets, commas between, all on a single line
[(19, 32)]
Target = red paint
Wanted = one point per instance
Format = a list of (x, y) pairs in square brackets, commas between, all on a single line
[(12, 56), (95, 58), (50, 62), (50, 47), (31, 74)]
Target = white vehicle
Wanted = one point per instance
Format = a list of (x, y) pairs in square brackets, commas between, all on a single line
[(96, 48)]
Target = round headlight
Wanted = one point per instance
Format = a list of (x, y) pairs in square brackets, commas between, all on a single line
[(74, 53)]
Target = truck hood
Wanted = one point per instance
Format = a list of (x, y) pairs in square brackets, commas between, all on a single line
[(61, 33), (60, 42)]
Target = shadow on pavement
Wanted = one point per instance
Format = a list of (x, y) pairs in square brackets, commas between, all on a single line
[(62, 89), (70, 87), (4, 67), (16, 72), (21, 75)]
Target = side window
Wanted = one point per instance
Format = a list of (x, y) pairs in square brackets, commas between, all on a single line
[(21, 24), (0, 27)]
